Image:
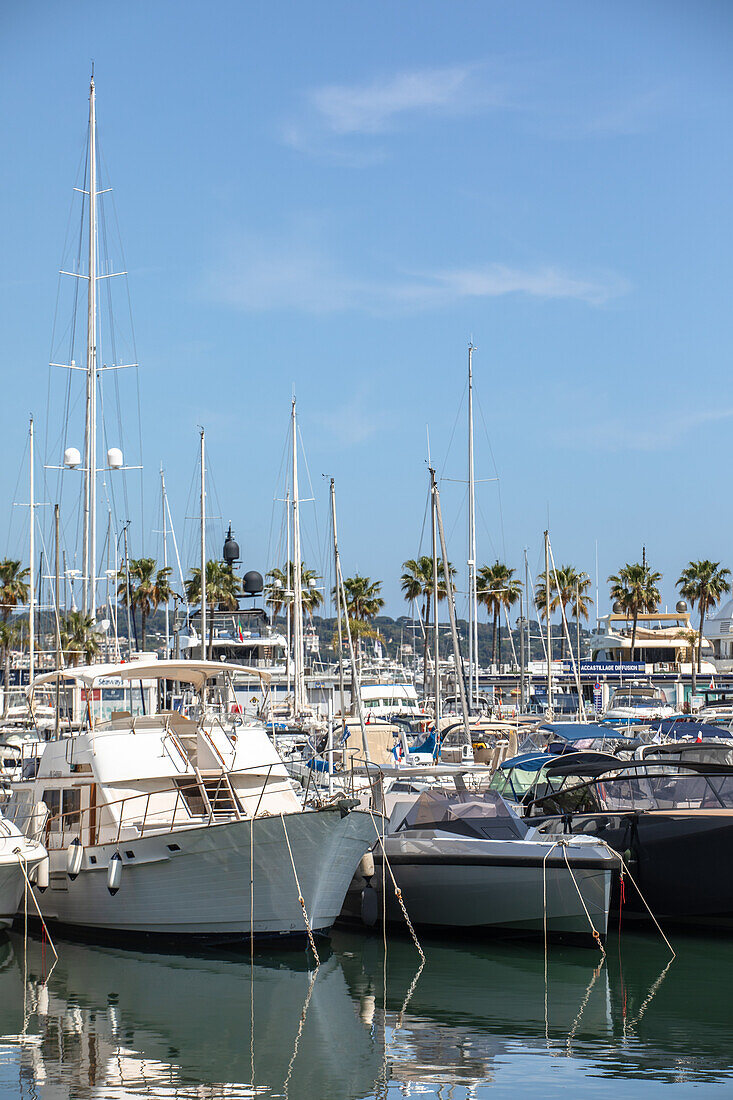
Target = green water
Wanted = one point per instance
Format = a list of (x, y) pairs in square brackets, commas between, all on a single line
[(480, 1021)]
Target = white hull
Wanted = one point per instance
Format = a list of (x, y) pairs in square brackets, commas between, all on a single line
[(502, 885), (12, 880), (203, 889)]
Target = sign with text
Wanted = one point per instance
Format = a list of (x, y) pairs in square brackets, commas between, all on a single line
[(608, 668)]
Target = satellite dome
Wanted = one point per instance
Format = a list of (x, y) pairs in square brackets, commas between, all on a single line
[(682, 606), (72, 457), (231, 548), (253, 583), (114, 458), (617, 608)]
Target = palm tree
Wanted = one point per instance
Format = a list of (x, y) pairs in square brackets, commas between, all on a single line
[(78, 637), (363, 602), (635, 588), (692, 637), (703, 583), (9, 638), (417, 584), (13, 586), (567, 586), (148, 589), (280, 590), (221, 592), (497, 587)]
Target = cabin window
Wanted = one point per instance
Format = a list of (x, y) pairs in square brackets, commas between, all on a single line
[(64, 808), (52, 799), (71, 807)]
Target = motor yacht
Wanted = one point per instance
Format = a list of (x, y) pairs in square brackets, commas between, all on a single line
[(463, 858), (185, 822), (18, 854), (669, 813), (638, 703)]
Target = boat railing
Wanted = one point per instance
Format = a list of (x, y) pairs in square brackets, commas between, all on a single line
[(134, 812)]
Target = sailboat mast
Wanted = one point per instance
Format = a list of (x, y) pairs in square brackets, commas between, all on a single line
[(436, 635), (203, 546), (460, 683), (32, 571), (472, 585), (298, 656), (337, 586), (90, 427), (165, 560), (549, 626), (355, 684)]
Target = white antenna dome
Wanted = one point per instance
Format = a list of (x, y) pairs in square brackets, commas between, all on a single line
[(72, 458), (114, 458)]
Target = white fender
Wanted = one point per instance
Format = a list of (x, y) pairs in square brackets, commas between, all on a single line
[(366, 865), (114, 873), (42, 874), (74, 856), (39, 819)]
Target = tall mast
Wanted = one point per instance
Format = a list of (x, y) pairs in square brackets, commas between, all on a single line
[(90, 427), (436, 636), (203, 546), (549, 627), (528, 690), (337, 586), (288, 589), (457, 664), (165, 559), (57, 716), (298, 656), (32, 572), (341, 602), (472, 586)]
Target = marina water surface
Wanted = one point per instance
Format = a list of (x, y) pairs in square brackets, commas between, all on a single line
[(477, 1021)]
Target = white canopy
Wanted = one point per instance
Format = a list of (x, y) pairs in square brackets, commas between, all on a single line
[(189, 672)]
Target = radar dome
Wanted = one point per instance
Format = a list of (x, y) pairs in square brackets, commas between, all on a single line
[(617, 608), (252, 582), (231, 548), (681, 606)]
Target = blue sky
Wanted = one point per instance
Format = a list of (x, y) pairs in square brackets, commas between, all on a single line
[(337, 197)]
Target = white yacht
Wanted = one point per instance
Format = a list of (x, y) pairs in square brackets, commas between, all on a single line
[(660, 641), (638, 703), (182, 822), (464, 859), (17, 854)]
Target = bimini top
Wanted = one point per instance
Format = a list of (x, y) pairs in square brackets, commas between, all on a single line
[(195, 673), (687, 727), (574, 731)]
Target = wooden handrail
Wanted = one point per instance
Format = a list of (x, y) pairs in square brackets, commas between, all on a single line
[(80, 815)]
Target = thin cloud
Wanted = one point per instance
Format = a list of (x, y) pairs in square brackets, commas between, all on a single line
[(297, 273), (370, 108), (336, 112), (642, 432)]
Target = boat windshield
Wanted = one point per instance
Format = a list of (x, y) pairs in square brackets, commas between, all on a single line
[(632, 793), (638, 701), (481, 815)]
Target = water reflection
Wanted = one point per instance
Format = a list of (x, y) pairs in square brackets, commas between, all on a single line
[(113, 1023)]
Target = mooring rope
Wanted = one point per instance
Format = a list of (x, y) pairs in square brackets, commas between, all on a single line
[(301, 899), (252, 952), (397, 891), (304, 1013)]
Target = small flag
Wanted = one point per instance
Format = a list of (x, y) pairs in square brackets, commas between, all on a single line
[(239, 631)]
